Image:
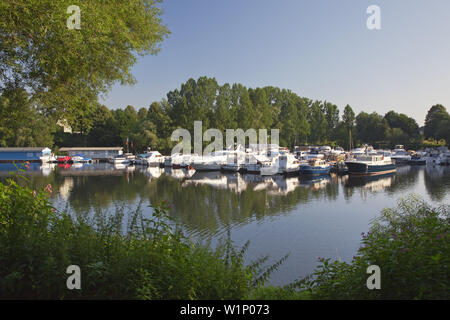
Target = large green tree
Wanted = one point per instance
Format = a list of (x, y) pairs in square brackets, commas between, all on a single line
[(437, 123), (66, 69), (371, 128), (22, 124)]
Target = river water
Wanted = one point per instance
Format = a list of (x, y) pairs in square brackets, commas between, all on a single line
[(303, 217)]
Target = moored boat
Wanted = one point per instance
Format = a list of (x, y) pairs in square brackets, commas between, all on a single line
[(315, 167), (400, 155), (288, 164), (153, 158), (370, 164), (417, 160)]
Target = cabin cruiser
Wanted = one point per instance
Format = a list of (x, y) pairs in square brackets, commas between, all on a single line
[(215, 160), (288, 164), (417, 159), (400, 155), (47, 156), (151, 158), (315, 166), (370, 164)]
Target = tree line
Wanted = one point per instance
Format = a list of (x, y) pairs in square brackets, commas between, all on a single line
[(301, 120)]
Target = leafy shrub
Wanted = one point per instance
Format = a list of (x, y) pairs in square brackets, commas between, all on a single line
[(410, 244)]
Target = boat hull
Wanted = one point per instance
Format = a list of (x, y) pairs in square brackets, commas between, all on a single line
[(309, 170), (206, 166), (418, 162), (357, 168)]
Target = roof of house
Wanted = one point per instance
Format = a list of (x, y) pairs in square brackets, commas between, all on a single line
[(91, 149), (24, 149)]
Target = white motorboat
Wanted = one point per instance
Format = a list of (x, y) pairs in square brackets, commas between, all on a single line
[(215, 160), (287, 164), (47, 156), (152, 158)]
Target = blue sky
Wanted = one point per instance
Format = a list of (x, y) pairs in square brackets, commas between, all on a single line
[(320, 49)]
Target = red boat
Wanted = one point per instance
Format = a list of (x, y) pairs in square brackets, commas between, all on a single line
[(63, 159)]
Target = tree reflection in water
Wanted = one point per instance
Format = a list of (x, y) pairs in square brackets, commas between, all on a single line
[(206, 202)]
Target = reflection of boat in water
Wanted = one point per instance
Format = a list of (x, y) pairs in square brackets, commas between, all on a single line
[(47, 168), (315, 182), (121, 166), (371, 183), (33, 168), (179, 173), (232, 181), (152, 171), (283, 185), (66, 187)]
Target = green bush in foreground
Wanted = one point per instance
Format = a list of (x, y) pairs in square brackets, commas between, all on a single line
[(151, 260), (410, 244)]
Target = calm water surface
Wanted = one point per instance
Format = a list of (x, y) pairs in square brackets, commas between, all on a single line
[(307, 218)]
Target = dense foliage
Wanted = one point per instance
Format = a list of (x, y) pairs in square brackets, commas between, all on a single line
[(66, 69), (437, 123), (300, 120)]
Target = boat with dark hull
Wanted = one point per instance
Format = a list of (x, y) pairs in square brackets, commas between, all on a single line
[(368, 165), (417, 160), (315, 167)]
